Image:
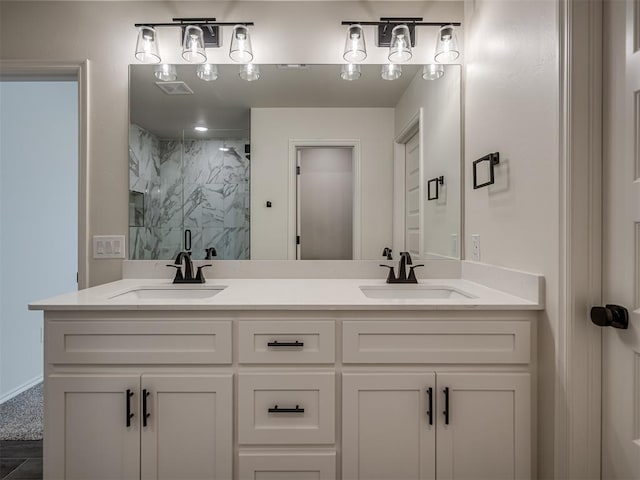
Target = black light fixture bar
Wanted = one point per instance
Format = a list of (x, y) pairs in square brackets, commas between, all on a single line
[(183, 22), (402, 21)]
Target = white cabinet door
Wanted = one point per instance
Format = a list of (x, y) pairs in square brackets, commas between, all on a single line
[(86, 422), (487, 435), (386, 431), (188, 432)]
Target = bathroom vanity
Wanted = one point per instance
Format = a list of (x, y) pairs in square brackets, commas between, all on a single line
[(290, 379)]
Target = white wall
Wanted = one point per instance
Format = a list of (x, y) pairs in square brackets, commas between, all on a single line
[(271, 130), (441, 149), (512, 106), (38, 192), (103, 32)]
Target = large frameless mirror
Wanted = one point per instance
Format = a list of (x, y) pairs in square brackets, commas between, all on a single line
[(301, 162)]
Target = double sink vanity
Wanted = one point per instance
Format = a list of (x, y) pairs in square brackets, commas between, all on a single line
[(304, 377)]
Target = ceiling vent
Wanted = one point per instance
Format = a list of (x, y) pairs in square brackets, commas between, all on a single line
[(174, 88)]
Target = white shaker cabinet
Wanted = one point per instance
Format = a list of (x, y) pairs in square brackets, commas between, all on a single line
[(418, 426), (386, 431), (179, 426)]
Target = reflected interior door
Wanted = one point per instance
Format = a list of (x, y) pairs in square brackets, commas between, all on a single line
[(413, 231), (621, 237), (325, 203)]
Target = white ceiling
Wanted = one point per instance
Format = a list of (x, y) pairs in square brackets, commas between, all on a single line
[(225, 104)]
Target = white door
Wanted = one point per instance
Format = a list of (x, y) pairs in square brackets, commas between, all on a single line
[(87, 414), (413, 197), (621, 252), (484, 426), (188, 431), (388, 426)]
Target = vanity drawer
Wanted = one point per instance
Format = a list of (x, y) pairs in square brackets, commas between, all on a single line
[(452, 341), (287, 465), (286, 408), (111, 342), (286, 341)]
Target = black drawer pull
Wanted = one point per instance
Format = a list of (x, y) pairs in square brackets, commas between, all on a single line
[(430, 411), (276, 343), (145, 413), (446, 406), (277, 409), (129, 414)]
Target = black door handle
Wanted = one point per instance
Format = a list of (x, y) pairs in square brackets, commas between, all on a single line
[(446, 406), (276, 343), (610, 316), (129, 414), (430, 411), (277, 409), (145, 413)]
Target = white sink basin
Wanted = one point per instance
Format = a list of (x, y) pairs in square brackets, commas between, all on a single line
[(170, 292), (413, 291)]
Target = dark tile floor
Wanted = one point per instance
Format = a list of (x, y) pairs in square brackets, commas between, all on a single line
[(21, 459)]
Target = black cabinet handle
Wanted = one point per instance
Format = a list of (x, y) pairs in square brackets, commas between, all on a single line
[(276, 409), (129, 414), (145, 413), (276, 343), (430, 411), (446, 406)]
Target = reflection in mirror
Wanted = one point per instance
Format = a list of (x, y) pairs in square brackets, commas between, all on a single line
[(221, 159)]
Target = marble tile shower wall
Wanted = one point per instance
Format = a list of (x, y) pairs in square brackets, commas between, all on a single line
[(190, 184)]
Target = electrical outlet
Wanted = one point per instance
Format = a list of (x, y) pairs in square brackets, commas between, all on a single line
[(454, 244), (108, 246), (475, 247)]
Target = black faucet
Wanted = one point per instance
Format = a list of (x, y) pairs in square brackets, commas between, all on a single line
[(405, 259), (187, 277), (210, 253), (387, 253)]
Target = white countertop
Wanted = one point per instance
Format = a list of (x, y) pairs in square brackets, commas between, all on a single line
[(285, 294)]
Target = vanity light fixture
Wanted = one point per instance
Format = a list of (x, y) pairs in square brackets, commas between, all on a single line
[(193, 45), (207, 72), (147, 45), (433, 71), (447, 45), (391, 71), (400, 47), (240, 50), (355, 49), (224, 149), (199, 128), (165, 72), (350, 72), (198, 34), (249, 72), (398, 33)]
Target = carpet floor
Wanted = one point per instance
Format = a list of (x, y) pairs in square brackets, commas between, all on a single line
[(21, 417)]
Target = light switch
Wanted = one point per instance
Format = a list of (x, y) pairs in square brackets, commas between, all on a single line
[(108, 246)]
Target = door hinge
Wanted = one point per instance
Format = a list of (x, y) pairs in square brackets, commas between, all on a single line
[(297, 170), (298, 240), (77, 277)]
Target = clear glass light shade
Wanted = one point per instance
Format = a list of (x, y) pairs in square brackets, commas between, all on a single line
[(354, 48), (432, 71), (249, 72), (165, 72), (391, 71), (147, 46), (350, 72), (447, 45), (240, 50), (193, 45), (207, 72), (400, 47)]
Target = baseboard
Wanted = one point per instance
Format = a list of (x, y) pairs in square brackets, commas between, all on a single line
[(20, 388)]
